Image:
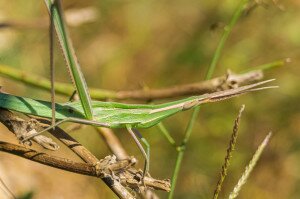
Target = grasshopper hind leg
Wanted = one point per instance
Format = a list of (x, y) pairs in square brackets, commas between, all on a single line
[(146, 143), (134, 133)]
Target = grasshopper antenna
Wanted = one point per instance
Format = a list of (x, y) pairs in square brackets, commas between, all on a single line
[(74, 96), (51, 41)]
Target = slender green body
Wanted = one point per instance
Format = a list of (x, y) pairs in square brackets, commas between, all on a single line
[(116, 115), (119, 115)]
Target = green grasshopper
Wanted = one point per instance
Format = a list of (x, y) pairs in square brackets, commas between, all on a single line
[(104, 114), (118, 115)]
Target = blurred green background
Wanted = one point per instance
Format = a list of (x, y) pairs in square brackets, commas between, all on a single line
[(125, 45)]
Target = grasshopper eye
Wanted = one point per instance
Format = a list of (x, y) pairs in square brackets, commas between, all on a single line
[(70, 110)]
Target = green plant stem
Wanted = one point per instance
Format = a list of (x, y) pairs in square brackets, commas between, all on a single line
[(227, 31), (269, 66), (181, 150), (176, 171), (209, 74), (44, 83)]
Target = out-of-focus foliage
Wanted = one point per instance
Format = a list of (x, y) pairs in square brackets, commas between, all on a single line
[(134, 44)]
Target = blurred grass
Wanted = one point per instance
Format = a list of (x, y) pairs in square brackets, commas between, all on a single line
[(160, 43)]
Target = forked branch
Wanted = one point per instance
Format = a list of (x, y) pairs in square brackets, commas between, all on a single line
[(224, 82), (116, 174)]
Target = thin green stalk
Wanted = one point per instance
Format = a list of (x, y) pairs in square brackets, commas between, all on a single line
[(209, 74), (44, 83), (269, 66), (181, 150), (227, 31), (176, 171)]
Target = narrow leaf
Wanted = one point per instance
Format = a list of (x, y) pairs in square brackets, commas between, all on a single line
[(249, 168)]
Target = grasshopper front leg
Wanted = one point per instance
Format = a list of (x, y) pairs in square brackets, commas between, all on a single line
[(69, 119)]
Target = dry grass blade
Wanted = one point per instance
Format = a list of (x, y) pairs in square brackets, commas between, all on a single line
[(230, 149), (250, 167)]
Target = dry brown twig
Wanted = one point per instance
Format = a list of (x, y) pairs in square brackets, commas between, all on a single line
[(118, 175), (227, 81)]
